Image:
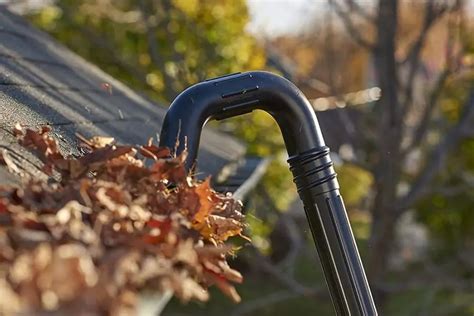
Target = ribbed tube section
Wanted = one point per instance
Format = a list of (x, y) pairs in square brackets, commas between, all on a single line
[(313, 170)]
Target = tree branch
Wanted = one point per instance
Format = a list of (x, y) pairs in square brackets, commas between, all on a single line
[(358, 9), (112, 51), (451, 66), (294, 288), (284, 279), (350, 26), (439, 155), (432, 13), (424, 122), (296, 242), (158, 61)]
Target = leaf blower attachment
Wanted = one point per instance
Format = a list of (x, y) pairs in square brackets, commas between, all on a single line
[(309, 162)]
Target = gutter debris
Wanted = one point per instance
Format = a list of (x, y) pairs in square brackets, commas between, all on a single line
[(121, 220)]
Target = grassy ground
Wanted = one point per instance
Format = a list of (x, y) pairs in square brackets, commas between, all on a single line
[(308, 272), (421, 301), (256, 287)]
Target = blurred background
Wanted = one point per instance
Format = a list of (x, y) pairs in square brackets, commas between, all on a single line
[(392, 82)]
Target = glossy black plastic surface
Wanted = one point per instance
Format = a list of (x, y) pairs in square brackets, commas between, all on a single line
[(309, 161)]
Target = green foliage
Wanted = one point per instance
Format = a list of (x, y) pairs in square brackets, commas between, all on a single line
[(157, 46), (355, 183), (448, 212), (263, 138), (276, 190)]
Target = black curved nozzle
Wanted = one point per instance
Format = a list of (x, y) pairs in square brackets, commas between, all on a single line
[(309, 161), (237, 94)]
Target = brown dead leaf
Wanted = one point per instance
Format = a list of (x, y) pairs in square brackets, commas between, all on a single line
[(111, 227), (154, 152), (203, 190)]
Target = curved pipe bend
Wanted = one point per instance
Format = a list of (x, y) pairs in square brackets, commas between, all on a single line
[(309, 162), (237, 94)]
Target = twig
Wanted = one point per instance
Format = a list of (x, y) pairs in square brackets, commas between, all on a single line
[(112, 51), (438, 156), (350, 26), (451, 66), (158, 61), (294, 288), (433, 13), (424, 122), (297, 241), (358, 9), (284, 279)]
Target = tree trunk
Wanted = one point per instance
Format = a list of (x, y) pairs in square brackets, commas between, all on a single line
[(388, 167), (380, 246)]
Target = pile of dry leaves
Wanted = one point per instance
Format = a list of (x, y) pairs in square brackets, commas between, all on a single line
[(120, 220)]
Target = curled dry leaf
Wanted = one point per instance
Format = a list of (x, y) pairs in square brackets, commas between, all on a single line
[(110, 228)]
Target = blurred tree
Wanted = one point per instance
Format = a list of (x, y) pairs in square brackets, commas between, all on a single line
[(160, 46), (447, 210), (413, 81), (414, 141), (411, 149)]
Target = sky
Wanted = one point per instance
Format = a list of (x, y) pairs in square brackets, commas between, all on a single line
[(277, 17)]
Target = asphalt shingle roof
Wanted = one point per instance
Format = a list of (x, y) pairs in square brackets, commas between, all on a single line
[(42, 82)]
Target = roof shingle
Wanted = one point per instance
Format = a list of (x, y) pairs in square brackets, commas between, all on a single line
[(42, 82)]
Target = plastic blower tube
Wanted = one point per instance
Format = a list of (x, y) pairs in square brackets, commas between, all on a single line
[(309, 162)]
